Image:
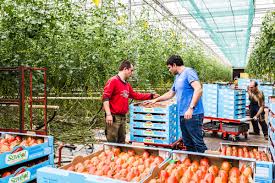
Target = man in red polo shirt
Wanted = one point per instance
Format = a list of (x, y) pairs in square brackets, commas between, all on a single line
[(115, 102)]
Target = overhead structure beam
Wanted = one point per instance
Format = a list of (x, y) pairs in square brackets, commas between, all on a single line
[(170, 14)]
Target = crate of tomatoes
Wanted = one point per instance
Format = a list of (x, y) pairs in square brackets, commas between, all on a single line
[(260, 154), (193, 167), (17, 148), (114, 163)]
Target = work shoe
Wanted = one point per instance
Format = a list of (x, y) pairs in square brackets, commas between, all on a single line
[(253, 133)]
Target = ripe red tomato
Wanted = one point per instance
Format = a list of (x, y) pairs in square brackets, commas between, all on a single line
[(234, 172), (204, 162), (240, 152), (5, 174), (226, 166)]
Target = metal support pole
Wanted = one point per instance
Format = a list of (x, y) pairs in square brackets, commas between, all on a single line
[(22, 98), (30, 99), (130, 12), (45, 99)]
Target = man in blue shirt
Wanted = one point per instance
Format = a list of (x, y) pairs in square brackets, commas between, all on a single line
[(188, 91)]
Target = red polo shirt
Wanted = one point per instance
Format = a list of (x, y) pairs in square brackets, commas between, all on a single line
[(118, 92)]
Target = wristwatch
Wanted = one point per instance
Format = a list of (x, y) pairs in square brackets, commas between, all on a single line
[(192, 107)]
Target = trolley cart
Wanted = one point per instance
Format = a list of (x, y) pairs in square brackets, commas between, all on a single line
[(233, 127)]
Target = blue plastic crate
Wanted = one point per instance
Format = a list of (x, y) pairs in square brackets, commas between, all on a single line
[(154, 140), (232, 107), (238, 116), (26, 174), (153, 117), (153, 132), (231, 102), (55, 175), (264, 170), (211, 110), (232, 112), (257, 180), (23, 154), (152, 125), (231, 92), (209, 114), (232, 97), (159, 110)]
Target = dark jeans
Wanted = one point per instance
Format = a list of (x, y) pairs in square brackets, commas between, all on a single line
[(192, 133), (261, 120)]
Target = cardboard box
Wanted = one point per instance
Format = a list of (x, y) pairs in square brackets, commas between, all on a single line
[(55, 175), (213, 159)]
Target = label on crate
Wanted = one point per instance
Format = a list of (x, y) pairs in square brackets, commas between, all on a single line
[(148, 116), (148, 110), (240, 102), (16, 157), (148, 140), (23, 177), (148, 124), (148, 132)]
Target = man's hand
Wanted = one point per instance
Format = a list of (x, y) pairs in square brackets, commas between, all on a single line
[(156, 95), (255, 118), (149, 101), (109, 119), (188, 114)]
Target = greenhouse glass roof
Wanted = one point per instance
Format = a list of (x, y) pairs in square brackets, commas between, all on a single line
[(227, 22), (226, 28)]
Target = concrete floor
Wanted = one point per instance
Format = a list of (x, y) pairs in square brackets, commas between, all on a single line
[(212, 142)]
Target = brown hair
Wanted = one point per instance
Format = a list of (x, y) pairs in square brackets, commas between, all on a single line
[(125, 64)]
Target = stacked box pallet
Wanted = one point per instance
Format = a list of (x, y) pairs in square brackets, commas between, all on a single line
[(231, 103), (21, 155), (268, 91), (115, 163), (210, 99), (158, 124)]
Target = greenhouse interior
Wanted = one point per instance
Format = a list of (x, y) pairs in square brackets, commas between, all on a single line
[(149, 91)]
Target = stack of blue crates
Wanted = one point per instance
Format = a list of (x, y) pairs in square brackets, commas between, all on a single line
[(23, 162), (231, 103), (268, 91), (156, 125), (210, 99)]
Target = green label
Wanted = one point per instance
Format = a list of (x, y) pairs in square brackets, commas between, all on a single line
[(148, 124), (148, 109), (149, 117), (16, 157), (23, 177), (149, 132), (149, 140)]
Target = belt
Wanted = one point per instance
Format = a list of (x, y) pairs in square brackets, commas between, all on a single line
[(120, 115)]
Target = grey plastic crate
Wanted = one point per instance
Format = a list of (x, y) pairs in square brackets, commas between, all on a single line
[(212, 125), (242, 127)]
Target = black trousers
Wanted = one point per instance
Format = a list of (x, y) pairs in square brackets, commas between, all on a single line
[(261, 120)]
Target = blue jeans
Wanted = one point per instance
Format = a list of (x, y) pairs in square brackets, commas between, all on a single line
[(192, 133)]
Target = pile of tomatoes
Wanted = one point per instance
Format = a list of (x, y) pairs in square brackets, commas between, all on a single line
[(113, 163), (188, 171), (244, 152)]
